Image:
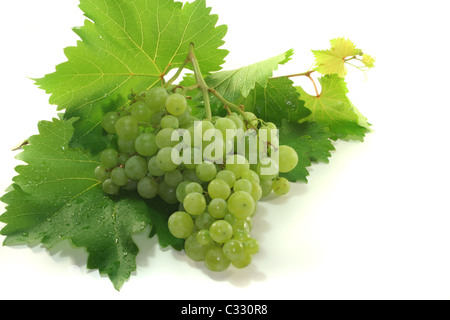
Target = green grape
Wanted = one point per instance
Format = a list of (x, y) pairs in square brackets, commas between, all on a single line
[(204, 238), (219, 189), (230, 218), (181, 191), (109, 122), (170, 122), (119, 177), (241, 204), (123, 158), (145, 144), (164, 138), (136, 168), (237, 121), (238, 164), (195, 250), (281, 186), (193, 187), (227, 127), (153, 167), (266, 187), (184, 119), (251, 176), (288, 159), (267, 171), (173, 178), (271, 125), (215, 260), (221, 231), (193, 156), (147, 188), (252, 118), (201, 127), (168, 193), (156, 98), (101, 173), (256, 191), (204, 221), (140, 112), (190, 175), (131, 185), (195, 203), (266, 134), (227, 176), (110, 187), (234, 250), (181, 225), (243, 185), (241, 235), (241, 225), (109, 158), (127, 128), (156, 118), (243, 262), (251, 246), (176, 104), (218, 208), (164, 160), (126, 146), (206, 171)]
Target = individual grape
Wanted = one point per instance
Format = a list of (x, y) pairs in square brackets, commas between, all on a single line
[(164, 160), (140, 112), (221, 231), (127, 128), (234, 250), (243, 185), (195, 250), (126, 146), (109, 122), (268, 170), (251, 176), (193, 157), (170, 122), (136, 168), (241, 225), (237, 121), (256, 191), (168, 193), (109, 158), (153, 167), (218, 208), (176, 104), (265, 134), (195, 203), (219, 189), (164, 138), (271, 125), (147, 188), (204, 221), (266, 187), (252, 118), (227, 176), (206, 171), (156, 98), (181, 191), (173, 178), (101, 173), (241, 235), (110, 187), (226, 126), (190, 175), (119, 177), (145, 144), (156, 118), (243, 262), (281, 186), (123, 158), (241, 204), (193, 187), (201, 127), (230, 218), (131, 185), (251, 246), (204, 238), (215, 260), (238, 164), (288, 159), (181, 224)]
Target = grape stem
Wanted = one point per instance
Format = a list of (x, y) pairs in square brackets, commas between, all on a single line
[(303, 74)]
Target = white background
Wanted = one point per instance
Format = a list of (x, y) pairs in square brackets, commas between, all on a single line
[(372, 224)]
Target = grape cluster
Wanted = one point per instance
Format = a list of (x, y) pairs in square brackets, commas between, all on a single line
[(213, 169)]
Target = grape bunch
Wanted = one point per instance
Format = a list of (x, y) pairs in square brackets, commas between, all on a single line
[(215, 170)]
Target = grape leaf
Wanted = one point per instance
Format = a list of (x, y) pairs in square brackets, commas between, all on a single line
[(276, 102), (55, 197), (312, 143), (333, 108), (128, 45)]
